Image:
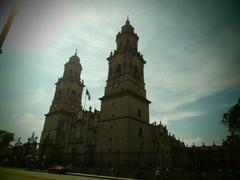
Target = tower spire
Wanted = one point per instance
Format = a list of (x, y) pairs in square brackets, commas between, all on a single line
[(76, 51), (127, 21)]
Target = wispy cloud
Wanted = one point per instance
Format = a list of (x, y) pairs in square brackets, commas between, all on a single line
[(197, 141), (35, 96), (178, 115), (25, 124), (184, 76)]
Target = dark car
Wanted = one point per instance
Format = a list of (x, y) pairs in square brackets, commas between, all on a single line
[(57, 169)]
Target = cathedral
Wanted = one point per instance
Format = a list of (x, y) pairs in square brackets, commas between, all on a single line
[(120, 134)]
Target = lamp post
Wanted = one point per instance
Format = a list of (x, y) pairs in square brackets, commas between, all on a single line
[(101, 158), (163, 158), (154, 149), (117, 161), (101, 154), (7, 26)]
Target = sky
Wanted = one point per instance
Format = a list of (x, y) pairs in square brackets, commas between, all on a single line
[(191, 48)]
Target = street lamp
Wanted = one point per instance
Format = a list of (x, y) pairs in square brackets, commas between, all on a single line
[(117, 160)]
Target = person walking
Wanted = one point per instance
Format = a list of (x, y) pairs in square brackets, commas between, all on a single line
[(112, 172), (157, 174), (166, 173), (137, 173)]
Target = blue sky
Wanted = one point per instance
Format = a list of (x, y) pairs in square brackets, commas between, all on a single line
[(191, 48)]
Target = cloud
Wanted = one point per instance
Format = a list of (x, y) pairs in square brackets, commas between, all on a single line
[(178, 115), (35, 97), (193, 71), (29, 120), (168, 118), (26, 124), (197, 141), (29, 34)]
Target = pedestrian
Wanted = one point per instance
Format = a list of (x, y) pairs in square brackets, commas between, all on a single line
[(204, 175), (157, 174), (112, 171), (166, 173), (69, 166), (137, 173)]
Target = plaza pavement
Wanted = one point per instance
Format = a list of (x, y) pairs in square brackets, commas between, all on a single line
[(22, 174)]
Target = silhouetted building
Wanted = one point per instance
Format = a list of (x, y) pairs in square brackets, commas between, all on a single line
[(119, 135), (215, 157)]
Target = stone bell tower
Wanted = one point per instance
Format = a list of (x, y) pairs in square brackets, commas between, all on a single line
[(125, 83), (68, 93), (124, 106), (65, 106)]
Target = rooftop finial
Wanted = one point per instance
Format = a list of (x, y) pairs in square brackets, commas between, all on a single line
[(127, 21), (76, 51)]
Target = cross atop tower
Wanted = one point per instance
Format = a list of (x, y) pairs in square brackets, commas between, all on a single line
[(76, 51), (127, 21)]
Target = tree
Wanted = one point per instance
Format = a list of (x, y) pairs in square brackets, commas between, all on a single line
[(6, 137), (231, 119)]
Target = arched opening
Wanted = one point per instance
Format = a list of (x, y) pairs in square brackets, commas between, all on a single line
[(118, 70), (128, 43), (73, 93), (120, 44), (73, 155), (136, 73), (110, 71), (60, 93)]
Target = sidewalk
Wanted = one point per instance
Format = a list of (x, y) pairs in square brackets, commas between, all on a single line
[(99, 176), (76, 174)]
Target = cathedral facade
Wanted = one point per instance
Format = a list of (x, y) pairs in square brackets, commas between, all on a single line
[(120, 134)]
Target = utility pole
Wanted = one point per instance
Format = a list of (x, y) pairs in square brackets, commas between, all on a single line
[(6, 27)]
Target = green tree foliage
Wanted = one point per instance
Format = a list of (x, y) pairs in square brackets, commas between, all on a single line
[(231, 119), (6, 137)]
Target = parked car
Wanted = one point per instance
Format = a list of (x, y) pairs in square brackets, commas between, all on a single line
[(57, 169)]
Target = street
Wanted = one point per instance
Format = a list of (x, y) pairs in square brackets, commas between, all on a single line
[(19, 174)]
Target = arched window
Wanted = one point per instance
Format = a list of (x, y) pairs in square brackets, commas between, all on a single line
[(141, 73), (128, 42), (60, 93), (136, 72), (73, 93), (120, 44), (110, 71), (139, 113), (118, 70), (140, 133), (73, 154)]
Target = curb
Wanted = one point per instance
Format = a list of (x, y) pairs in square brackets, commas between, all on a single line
[(99, 176)]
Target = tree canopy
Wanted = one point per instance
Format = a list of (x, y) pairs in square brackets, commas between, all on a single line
[(6, 137), (231, 119)]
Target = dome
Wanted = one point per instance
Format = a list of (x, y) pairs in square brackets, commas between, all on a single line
[(127, 27), (74, 59)]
